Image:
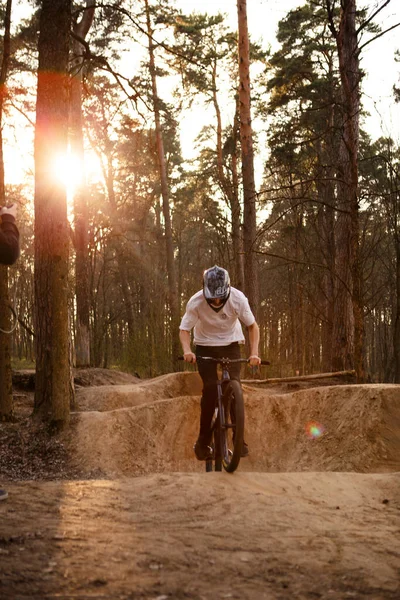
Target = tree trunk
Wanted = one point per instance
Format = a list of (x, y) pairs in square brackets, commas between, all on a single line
[(6, 398), (348, 319), (117, 245), (230, 187), (246, 140), (52, 393), (237, 238), (328, 285), (396, 333), (82, 291), (171, 271), (326, 229)]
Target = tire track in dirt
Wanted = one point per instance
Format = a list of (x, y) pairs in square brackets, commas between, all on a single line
[(203, 536)]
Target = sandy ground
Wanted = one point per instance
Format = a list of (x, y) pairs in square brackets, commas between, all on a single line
[(135, 515)]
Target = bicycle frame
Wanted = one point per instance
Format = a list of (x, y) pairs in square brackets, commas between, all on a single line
[(220, 381), (218, 420), (228, 414), (219, 423)]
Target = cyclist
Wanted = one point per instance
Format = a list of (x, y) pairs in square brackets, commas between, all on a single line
[(216, 313), (9, 252)]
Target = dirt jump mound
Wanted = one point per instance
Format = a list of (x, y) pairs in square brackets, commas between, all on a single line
[(150, 427)]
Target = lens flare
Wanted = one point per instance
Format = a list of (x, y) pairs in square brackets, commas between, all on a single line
[(314, 430)]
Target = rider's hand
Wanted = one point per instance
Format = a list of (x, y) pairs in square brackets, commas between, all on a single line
[(9, 210), (189, 357), (254, 360)]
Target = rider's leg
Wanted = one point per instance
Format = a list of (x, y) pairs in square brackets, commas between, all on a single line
[(208, 399), (202, 446), (233, 351), (208, 374)]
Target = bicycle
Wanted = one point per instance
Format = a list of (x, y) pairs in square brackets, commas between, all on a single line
[(227, 425)]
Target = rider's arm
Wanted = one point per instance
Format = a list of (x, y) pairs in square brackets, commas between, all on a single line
[(189, 320), (184, 337), (254, 340), (9, 236)]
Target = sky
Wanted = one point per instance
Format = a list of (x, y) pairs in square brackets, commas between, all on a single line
[(263, 18), (377, 58)]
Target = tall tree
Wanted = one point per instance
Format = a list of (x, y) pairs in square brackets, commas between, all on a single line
[(6, 400), (52, 391), (212, 49), (165, 193), (81, 28), (303, 142), (380, 171), (348, 315), (246, 140)]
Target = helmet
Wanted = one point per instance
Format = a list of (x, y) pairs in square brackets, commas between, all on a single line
[(216, 284)]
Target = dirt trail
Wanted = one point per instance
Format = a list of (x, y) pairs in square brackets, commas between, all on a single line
[(303, 517)]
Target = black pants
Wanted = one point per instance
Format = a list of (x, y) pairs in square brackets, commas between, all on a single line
[(208, 374)]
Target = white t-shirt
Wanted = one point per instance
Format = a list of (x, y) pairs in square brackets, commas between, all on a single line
[(217, 328)]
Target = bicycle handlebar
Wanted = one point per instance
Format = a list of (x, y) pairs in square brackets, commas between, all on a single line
[(226, 360)]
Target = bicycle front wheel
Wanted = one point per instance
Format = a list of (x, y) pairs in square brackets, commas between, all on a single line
[(232, 429)]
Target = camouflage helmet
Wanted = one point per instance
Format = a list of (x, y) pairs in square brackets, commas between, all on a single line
[(216, 284)]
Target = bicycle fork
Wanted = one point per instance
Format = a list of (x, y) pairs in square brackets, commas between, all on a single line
[(219, 427)]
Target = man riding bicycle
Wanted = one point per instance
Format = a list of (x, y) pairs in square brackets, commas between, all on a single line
[(216, 313)]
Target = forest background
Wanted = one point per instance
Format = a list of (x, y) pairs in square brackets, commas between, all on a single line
[(144, 220)]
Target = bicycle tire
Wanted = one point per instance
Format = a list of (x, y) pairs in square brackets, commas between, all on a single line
[(231, 438)]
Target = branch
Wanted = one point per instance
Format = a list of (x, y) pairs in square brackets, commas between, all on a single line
[(82, 28), (26, 327), (105, 65), (331, 24), (305, 263), (156, 43), (377, 37), (365, 23), (267, 225), (301, 377), (22, 113)]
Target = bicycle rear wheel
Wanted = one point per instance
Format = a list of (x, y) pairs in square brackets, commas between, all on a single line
[(232, 430)]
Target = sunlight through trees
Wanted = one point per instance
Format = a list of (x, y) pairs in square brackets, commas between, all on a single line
[(117, 222)]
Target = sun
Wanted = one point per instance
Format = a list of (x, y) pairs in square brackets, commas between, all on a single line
[(73, 172), (68, 169)]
